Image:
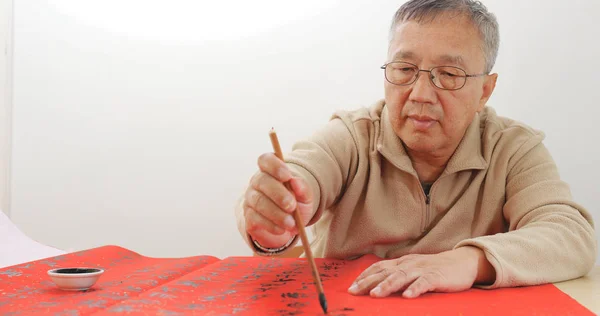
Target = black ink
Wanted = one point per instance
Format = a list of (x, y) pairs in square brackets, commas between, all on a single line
[(296, 305), (293, 295), (283, 312), (76, 271)]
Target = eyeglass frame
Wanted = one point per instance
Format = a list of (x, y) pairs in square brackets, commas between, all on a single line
[(419, 70)]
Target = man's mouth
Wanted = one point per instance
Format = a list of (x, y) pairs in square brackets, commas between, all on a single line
[(422, 123)]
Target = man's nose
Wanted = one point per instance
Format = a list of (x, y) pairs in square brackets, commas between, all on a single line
[(423, 90)]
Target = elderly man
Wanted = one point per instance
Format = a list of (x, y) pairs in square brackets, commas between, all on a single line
[(449, 194)]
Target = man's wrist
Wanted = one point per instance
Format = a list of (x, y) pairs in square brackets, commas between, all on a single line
[(486, 274), (270, 250)]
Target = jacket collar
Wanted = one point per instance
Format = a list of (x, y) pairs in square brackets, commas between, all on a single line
[(466, 157)]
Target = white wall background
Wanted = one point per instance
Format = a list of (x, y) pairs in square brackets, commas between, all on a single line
[(6, 15), (138, 123)]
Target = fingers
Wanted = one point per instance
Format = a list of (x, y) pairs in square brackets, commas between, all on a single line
[(272, 189), (389, 281), (366, 284), (387, 277), (269, 196), (372, 276), (395, 282), (255, 222), (414, 275), (263, 205), (269, 204), (266, 238), (375, 268), (270, 164), (425, 283)]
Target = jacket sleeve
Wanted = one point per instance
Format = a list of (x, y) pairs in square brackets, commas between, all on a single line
[(325, 161), (550, 238)]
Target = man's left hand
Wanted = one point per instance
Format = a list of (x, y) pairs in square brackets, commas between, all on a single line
[(450, 271)]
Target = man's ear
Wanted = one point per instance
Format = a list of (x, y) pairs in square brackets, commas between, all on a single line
[(488, 88)]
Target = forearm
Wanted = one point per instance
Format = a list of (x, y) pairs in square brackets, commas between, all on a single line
[(550, 238), (555, 247)]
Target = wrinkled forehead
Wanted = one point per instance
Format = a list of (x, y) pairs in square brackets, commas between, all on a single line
[(451, 39)]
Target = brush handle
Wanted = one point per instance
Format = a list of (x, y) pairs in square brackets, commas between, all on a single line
[(300, 224)]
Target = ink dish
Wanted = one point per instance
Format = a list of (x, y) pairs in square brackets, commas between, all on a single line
[(75, 279)]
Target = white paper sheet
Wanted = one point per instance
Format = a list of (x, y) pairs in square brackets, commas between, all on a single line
[(17, 248)]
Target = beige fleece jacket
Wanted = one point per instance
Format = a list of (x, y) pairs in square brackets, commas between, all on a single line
[(500, 192)]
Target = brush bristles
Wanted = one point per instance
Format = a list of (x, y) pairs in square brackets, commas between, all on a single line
[(323, 302)]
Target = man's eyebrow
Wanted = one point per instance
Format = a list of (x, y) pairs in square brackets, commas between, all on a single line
[(452, 60), (443, 60), (403, 54)]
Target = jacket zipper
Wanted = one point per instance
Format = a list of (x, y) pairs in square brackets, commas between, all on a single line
[(427, 203)]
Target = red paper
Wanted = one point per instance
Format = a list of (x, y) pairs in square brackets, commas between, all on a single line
[(27, 289), (133, 284)]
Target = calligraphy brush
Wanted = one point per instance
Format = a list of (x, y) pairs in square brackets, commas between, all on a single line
[(301, 231)]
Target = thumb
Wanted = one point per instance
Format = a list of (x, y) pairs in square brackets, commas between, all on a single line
[(301, 190), (304, 198)]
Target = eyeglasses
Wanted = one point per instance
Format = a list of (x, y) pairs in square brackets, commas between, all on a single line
[(444, 77)]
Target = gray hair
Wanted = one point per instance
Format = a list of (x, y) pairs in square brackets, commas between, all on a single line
[(423, 11)]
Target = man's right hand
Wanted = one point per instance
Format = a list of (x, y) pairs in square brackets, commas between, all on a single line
[(269, 205)]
